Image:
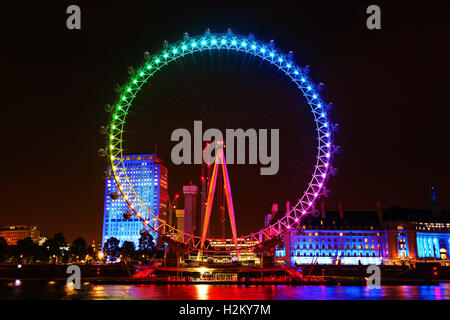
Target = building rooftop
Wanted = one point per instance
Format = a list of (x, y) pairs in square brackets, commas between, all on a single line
[(396, 213), (362, 220)]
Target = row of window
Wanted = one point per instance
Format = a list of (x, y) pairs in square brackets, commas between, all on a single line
[(305, 239), (341, 247)]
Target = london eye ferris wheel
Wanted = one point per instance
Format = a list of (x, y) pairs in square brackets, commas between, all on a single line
[(248, 45)]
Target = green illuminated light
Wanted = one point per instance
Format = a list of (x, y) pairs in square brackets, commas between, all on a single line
[(157, 60), (149, 67), (134, 81)]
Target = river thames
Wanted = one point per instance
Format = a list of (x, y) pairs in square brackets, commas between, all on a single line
[(33, 289)]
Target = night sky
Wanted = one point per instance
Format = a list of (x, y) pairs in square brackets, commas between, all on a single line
[(389, 86)]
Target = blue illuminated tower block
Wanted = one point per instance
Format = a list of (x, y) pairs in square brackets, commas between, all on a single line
[(149, 177)]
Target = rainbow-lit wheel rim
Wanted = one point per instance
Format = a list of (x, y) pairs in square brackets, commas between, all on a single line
[(237, 43)]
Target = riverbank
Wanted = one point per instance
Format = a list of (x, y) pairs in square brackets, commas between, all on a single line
[(305, 275)]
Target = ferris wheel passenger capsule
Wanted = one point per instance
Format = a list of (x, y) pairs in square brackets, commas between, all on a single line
[(102, 130), (251, 36), (329, 106), (106, 174), (165, 44), (117, 88), (272, 44), (108, 108), (185, 36), (335, 127), (147, 55), (130, 70), (321, 86), (315, 213), (126, 215), (334, 171), (114, 196), (336, 149), (229, 31), (291, 55), (207, 32), (101, 152), (307, 69), (326, 193)]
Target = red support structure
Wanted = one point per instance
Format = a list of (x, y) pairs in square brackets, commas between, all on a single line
[(220, 159)]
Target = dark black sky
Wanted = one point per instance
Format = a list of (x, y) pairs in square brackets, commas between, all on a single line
[(390, 88)]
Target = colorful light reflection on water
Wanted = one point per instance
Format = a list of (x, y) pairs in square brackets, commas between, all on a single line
[(38, 290)]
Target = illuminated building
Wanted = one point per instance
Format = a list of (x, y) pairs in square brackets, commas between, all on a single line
[(417, 234), (14, 233), (392, 236), (245, 257), (179, 216), (336, 237), (190, 222), (149, 178)]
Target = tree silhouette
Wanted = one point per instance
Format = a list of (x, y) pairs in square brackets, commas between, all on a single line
[(128, 251), (146, 243), (91, 253), (111, 248), (147, 247), (56, 247), (27, 249), (78, 249), (3, 249), (52, 249)]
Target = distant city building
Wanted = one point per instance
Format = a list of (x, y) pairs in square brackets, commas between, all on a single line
[(191, 223), (179, 216), (418, 234), (42, 240), (149, 177), (14, 233)]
